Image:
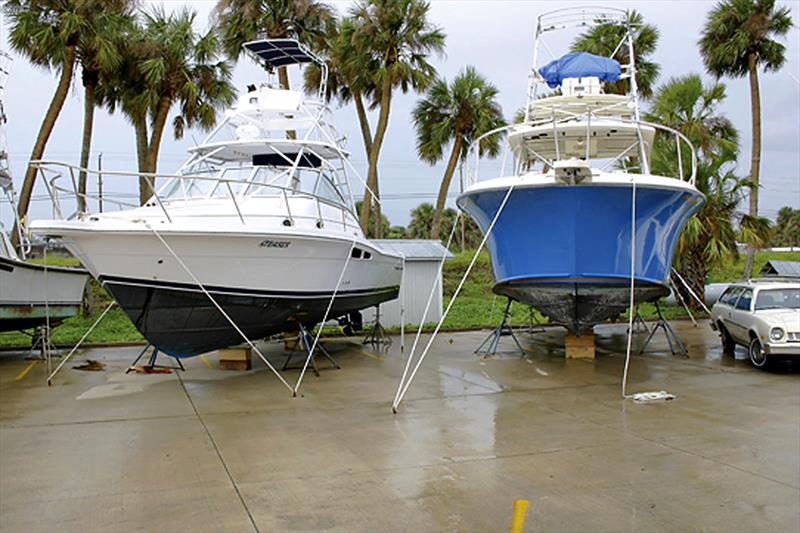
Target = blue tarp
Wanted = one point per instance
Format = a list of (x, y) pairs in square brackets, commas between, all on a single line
[(579, 65)]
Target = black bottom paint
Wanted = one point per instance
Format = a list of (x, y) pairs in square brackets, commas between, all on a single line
[(183, 322), (579, 306)]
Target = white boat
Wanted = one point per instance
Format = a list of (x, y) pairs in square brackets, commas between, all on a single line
[(29, 293), (260, 221)]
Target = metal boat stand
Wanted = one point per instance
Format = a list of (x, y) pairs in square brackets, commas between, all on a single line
[(639, 324), (151, 361), (377, 335), (490, 343), (40, 340), (676, 346), (306, 340)]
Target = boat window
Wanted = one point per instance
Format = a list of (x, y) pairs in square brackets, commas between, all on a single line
[(238, 176), (327, 190), (778, 299), (744, 300), (356, 253)]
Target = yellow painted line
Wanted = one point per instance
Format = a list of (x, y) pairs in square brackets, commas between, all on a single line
[(25, 371), (518, 521), (206, 361), (366, 353)]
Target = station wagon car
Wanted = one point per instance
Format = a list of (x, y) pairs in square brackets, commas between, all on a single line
[(761, 315)]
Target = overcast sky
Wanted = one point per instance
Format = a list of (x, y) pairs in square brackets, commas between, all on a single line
[(494, 36)]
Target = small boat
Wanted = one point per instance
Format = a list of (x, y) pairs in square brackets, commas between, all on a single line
[(30, 295), (258, 223), (569, 226)]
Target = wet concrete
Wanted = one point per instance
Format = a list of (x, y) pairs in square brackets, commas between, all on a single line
[(210, 450)]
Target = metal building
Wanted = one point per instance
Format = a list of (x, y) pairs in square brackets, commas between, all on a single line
[(422, 259)]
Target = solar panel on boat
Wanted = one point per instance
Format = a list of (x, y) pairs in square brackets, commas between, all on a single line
[(279, 52)]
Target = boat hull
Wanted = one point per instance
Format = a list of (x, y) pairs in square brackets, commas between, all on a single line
[(182, 321), (266, 283), (28, 296), (566, 249)]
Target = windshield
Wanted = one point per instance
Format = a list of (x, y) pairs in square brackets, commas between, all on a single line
[(778, 299)]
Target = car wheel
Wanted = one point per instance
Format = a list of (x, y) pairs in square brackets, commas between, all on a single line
[(728, 344), (757, 354)]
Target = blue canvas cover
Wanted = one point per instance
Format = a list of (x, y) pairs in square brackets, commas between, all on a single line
[(579, 65)]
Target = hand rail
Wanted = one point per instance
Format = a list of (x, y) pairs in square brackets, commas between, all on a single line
[(472, 172), (52, 171)]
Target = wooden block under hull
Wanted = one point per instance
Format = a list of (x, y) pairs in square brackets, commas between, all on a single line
[(235, 359), (579, 347)]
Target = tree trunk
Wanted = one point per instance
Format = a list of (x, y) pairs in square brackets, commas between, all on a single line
[(89, 84), (366, 135), (755, 156), (375, 149), (154, 146), (140, 128), (67, 68), (693, 269), (445, 186)]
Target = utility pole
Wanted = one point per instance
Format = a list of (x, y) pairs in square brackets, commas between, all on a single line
[(100, 182)]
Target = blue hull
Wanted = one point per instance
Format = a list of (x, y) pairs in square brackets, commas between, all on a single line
[(565, 249)]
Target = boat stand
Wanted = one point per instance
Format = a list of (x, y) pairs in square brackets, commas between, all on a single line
[(306, 340), (151, 361), (490, 344), (639, 325), (40, 340), (377, 335), (676, 346)]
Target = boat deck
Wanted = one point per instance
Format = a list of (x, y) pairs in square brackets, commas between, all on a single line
[(211, 450)]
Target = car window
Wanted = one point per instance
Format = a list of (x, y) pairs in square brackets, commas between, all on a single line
[(744, 300), (778, 299), (730, 295)]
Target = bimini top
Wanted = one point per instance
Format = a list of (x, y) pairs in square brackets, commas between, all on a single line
[(580, 65), (280, 52)]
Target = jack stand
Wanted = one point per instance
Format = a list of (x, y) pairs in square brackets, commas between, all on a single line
[(678, 348), (151, 361), (306, 340), (490, 344), (377, 335), (41, 341), (639, 325)]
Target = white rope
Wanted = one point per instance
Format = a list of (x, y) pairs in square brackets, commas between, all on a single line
[(324, 319), (439, 279), (452, 300), (46, 337), (685, 306), (219, 308), (74, 348), (639, 396), (688, 288), (403, 304)]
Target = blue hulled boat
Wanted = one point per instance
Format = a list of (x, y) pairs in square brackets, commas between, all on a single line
[(567, 232)]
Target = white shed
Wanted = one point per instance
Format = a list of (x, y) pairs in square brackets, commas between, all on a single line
[(423, 259)]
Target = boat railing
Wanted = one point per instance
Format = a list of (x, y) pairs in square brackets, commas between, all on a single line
[(523, 161), (53, 173)]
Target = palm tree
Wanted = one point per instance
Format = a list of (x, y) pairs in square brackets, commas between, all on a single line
[(459, 112), (710, 236), (738, 38), (240, 21), (167, 64), (684, 104), (787, 227), (421, 221), (603, 39), (391, 41), (98, 53), (345, 83), (48, 34)]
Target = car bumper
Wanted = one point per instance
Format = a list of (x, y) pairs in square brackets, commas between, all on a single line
[(783, 349)]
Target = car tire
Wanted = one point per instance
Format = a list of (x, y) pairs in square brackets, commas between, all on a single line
[(728, 344), (758, 356)]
